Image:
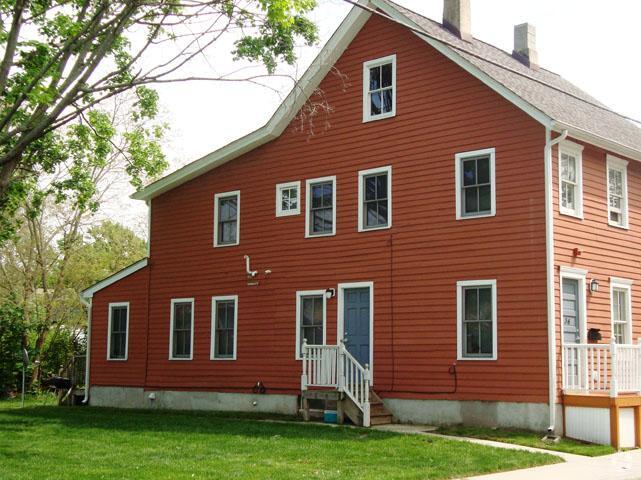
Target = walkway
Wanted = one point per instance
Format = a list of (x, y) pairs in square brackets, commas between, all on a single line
[(618, 466)]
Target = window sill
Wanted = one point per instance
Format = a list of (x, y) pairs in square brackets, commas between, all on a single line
[(373, 229), (472, 217), (320, 235), (288, 214), (180, 359), (217, 245), (476, 359), (117, 359), (620, 227), (383, 116), (569, 213), (222, 359)]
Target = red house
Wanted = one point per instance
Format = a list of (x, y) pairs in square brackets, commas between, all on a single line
[(460, 244)]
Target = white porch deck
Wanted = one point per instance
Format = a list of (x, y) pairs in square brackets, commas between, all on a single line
[(602, 368), (602, 393)]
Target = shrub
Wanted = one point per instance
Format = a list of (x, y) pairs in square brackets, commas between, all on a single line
[(12, 333)]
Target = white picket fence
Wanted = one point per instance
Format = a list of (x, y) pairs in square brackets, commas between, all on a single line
[(602, 368), (334, 367)]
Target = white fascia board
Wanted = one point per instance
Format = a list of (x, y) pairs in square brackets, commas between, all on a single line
[(125, 272), (598, 141), (320, 67), (451, 54)]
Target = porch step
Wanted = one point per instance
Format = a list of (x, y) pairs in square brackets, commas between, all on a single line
[(384, 419), (379, 414)]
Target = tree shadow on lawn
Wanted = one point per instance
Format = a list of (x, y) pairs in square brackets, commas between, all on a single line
[(181, 422)]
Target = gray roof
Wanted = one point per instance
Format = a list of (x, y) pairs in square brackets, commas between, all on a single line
[(544, 90)]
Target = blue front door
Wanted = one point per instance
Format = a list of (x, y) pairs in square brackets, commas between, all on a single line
[(356, 316)]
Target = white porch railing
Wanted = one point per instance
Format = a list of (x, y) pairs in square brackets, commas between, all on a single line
[(334, 367), (602, 368)]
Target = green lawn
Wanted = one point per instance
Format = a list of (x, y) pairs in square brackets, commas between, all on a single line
[(527, 438), (93, 443)]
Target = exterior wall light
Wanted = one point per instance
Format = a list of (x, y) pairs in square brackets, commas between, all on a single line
[(330, 292), (594, 285)]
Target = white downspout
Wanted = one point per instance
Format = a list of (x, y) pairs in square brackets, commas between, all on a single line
[(549, 255), (88, 355)]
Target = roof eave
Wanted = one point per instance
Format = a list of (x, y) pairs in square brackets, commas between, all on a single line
[(598, 141)]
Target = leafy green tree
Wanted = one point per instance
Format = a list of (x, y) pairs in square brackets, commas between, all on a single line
[(63, 59), (109, 247), (13, 330)]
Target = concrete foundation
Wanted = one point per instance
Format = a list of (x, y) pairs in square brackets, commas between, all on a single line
[(131, 397), (531, 416)]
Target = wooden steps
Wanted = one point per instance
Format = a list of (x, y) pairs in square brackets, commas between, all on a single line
[(346, 408), (378, 413)]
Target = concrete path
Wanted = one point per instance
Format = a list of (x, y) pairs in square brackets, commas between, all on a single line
[(618, 466)]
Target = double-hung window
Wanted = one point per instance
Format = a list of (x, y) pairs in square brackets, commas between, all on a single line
[(571, 179), (617, 192), (475, 184), (310, 318), (379, 88), (477, 325), (375, 199), (118, 338), (321, 207), (620, 293), (287, 199), (224, 319), (181, 329), (227, 219)]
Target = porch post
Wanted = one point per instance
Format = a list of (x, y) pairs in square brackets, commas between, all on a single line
[(303, 356), (366, 412), (637, 367), (614, 384), (341, 366)]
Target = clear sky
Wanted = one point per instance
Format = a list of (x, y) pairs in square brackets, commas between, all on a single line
[(593, 43)]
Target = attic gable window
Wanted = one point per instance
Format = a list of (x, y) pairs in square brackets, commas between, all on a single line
[(227, 219), (571, 179), (379, 88)]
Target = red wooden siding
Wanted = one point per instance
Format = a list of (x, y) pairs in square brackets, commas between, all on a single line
[(606, 251), (441, 110), (132, 289)]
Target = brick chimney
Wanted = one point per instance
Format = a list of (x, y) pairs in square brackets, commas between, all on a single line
[(525, 45), (457, 18)]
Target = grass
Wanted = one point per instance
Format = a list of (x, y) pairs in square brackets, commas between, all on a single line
[(527, 438), (48, 442)]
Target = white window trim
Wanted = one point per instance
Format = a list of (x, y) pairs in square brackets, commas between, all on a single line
[(171, 329), (299, 295), (217, 197), (279, 203), (621, 165), (361, 197), (117, 304), (580, 275), (575, 150), (223, 298), (367, 117), (621, 284), (459, 319), (308, 205), (458, 160), (340, 318)]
